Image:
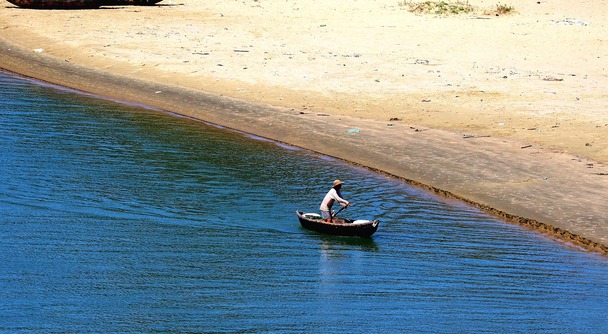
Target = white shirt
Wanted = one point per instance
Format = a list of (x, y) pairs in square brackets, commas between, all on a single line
[(330, 197)]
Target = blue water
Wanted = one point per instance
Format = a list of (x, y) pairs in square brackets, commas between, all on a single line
[(115, 218)]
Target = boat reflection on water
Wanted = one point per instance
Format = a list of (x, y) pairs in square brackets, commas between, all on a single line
[(332, 243), (343, 267)]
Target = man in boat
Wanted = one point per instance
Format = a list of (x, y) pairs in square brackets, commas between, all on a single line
[(328, 201)]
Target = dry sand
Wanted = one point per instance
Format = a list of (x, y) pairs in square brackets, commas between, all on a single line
[(535, 77)]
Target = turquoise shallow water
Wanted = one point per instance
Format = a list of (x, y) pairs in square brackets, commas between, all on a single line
[(119, 219)]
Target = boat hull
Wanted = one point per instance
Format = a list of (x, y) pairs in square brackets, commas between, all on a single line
[(79, 4), (56, 4), (339, 226)]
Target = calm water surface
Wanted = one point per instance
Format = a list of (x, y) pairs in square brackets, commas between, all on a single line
[(118, 219)]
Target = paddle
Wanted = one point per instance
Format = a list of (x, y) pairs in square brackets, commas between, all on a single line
[(331, 217)]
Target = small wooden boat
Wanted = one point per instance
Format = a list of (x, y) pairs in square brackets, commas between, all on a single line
[(338, 226), (56, 4), (79, 4)]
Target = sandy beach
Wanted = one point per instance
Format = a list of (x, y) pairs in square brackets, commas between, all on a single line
[(506, 112)]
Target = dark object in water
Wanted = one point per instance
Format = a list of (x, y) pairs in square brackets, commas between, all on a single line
[(79, 4), (338, 226)]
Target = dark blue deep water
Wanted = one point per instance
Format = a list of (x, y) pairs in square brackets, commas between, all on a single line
[(114, 218)]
